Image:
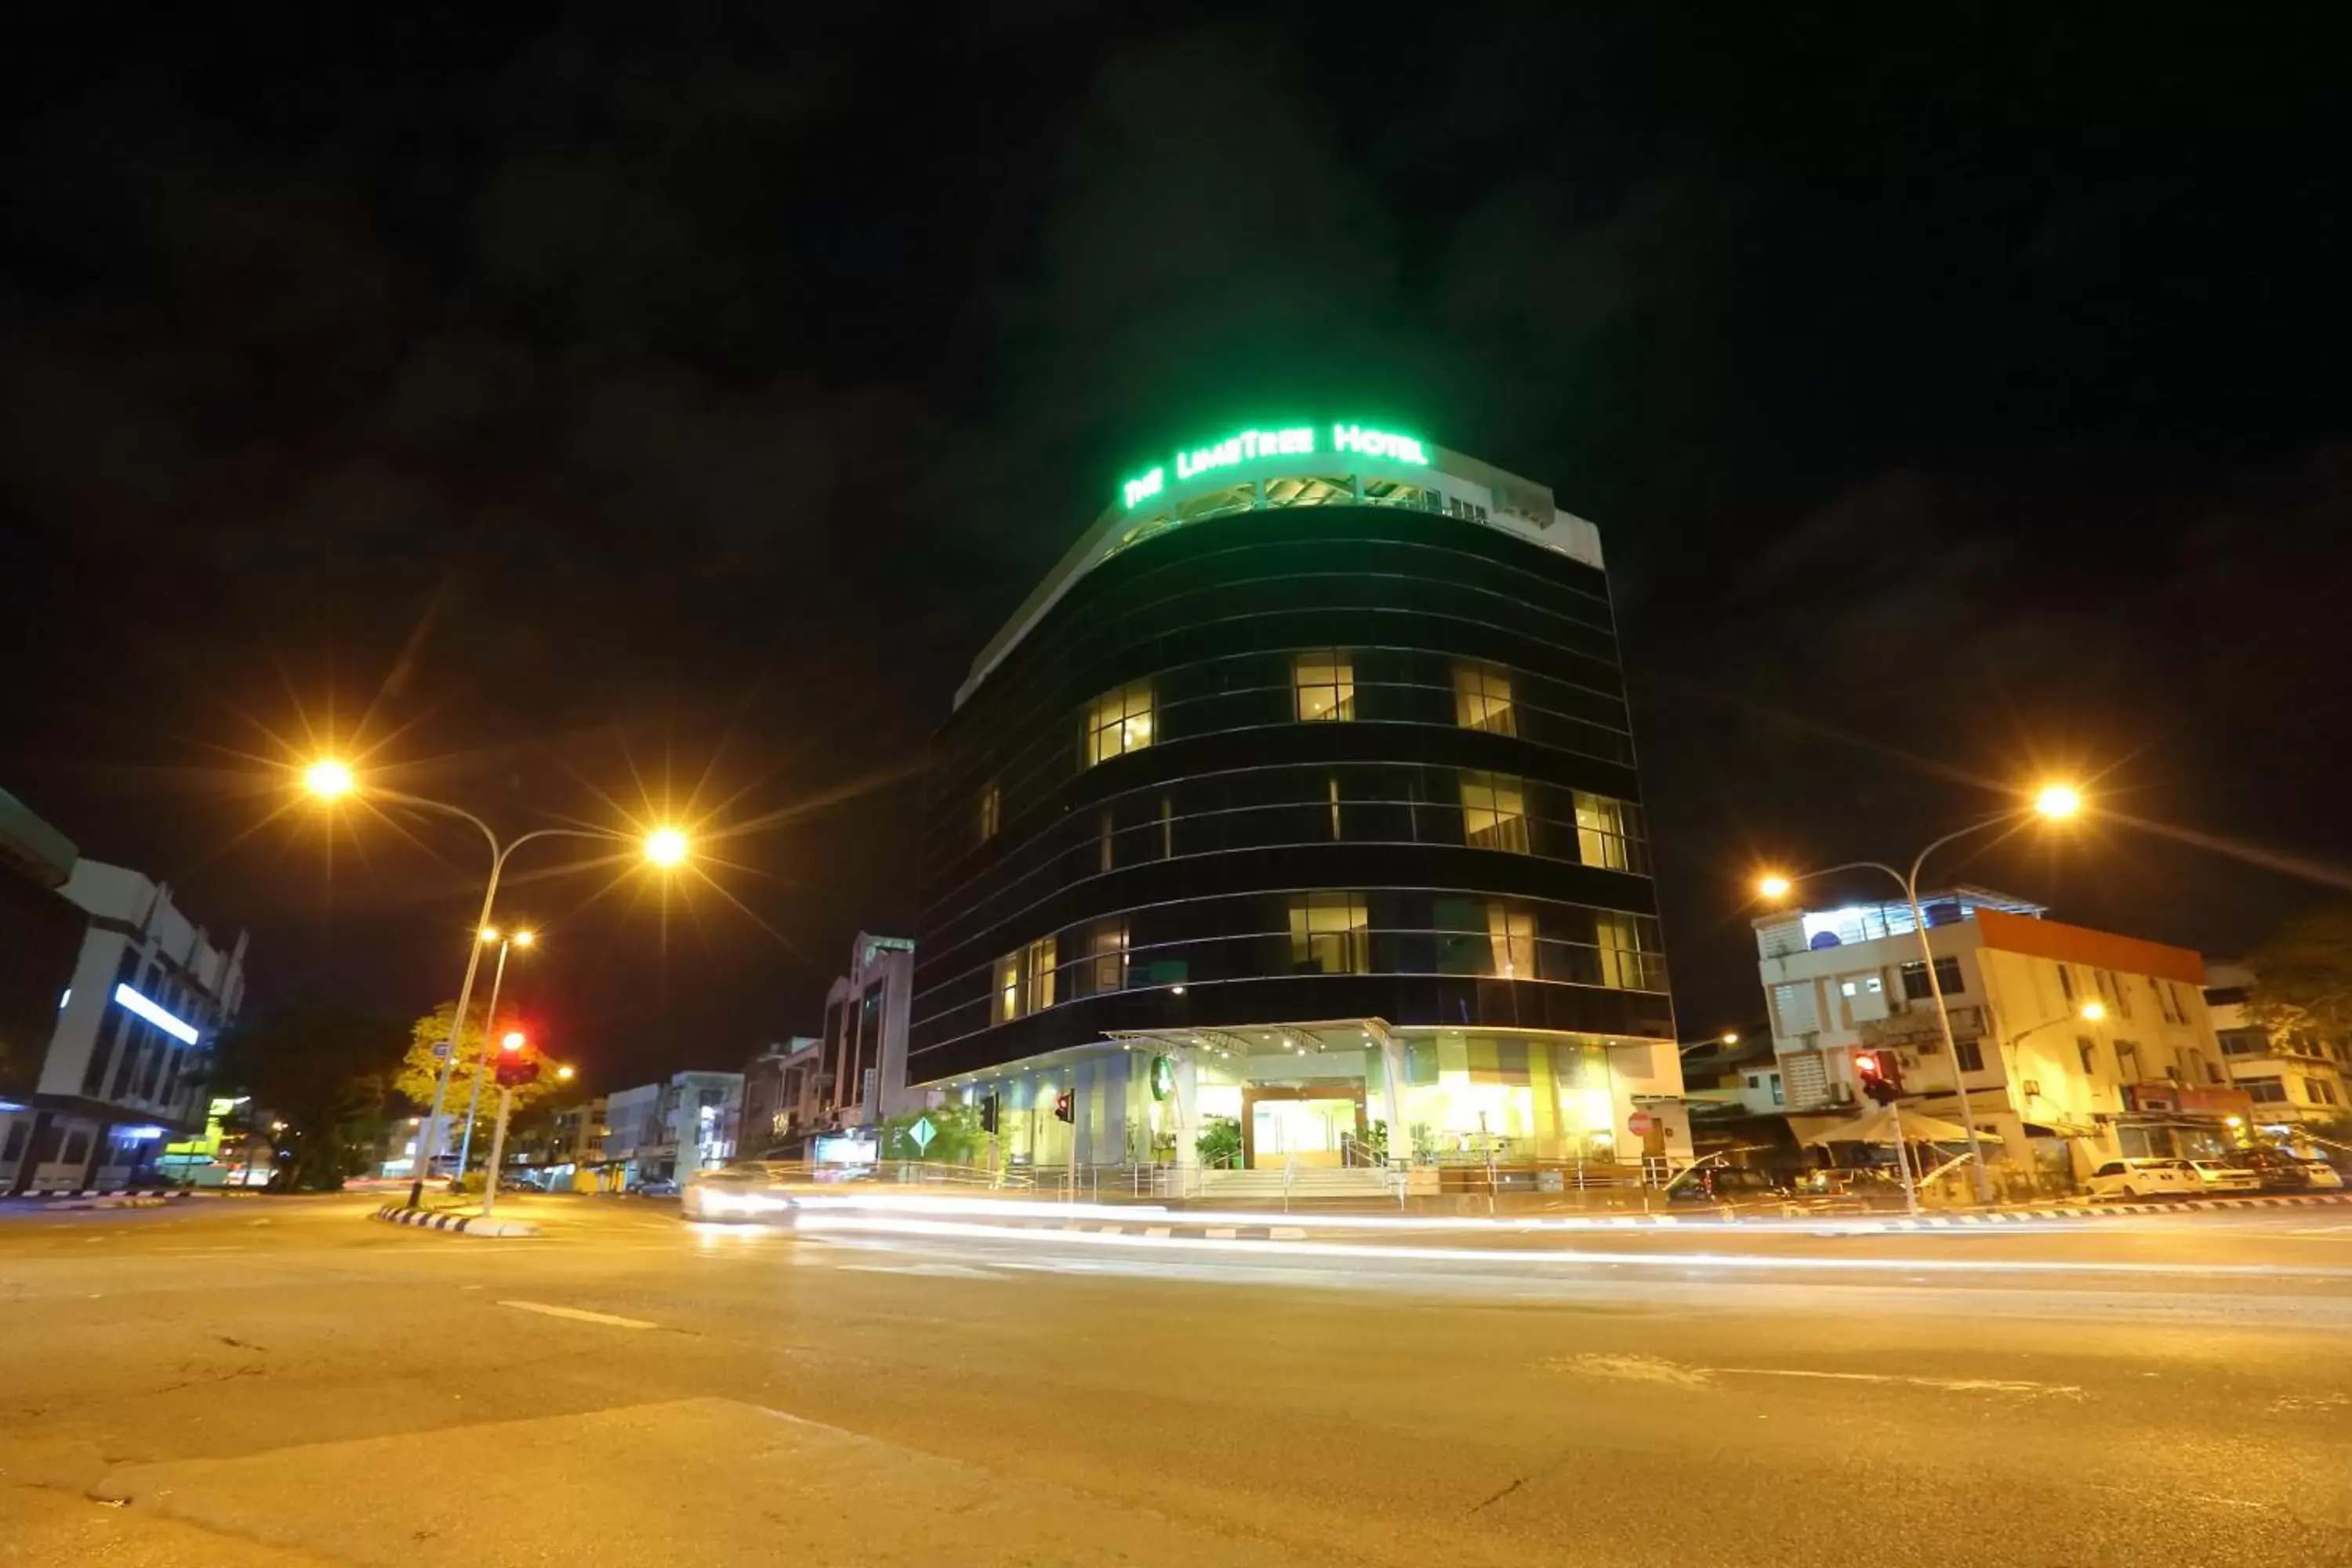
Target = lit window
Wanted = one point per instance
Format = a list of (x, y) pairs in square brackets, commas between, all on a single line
[(1601, 831), (1107, 957), (1329, 934), (1494, 813), (1623, 964), (1481, 698), (992, 808), (1119, 723), (1332, 786), (1325, 683), (1024, 981), (1513, 932)]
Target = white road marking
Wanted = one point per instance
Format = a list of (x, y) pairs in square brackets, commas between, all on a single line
[(1675, 1374), (1948, 1384), (923, 1270), (577, 1315), (1634, 1369), (2289, 1402)]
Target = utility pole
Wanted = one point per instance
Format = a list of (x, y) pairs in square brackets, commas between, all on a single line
[(497, 1152)]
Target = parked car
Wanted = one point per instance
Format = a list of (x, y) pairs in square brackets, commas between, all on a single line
[(2221, 1176), (2145, 1179), (753, 1191), (2276, 1171), (654, 1187)]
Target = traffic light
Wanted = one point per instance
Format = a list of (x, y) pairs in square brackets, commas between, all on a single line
[(517, 1067), (1064, 1109), (988, 1113), (1876, 1073)]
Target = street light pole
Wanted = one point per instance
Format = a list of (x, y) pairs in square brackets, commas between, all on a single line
[(490, 1031), (667, 848)]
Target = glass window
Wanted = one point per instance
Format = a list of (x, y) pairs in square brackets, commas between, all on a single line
[(1600, 832), (1107, 956), (1970, 1054), (1915, 980), (1333, 789), (1622, 960), (1494, 813), (1119, 721), (1326, 685), (1024, 981), (2127, 1060), (2066, 985), (2264, 1091), (2082, 1046), (991, 807), (1481, 698), (1329, 934), (1513, 933)]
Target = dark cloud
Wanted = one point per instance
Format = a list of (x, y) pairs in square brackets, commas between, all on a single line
[(652, 407)]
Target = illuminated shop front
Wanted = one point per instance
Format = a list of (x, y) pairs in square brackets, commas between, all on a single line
[(1300, 800)]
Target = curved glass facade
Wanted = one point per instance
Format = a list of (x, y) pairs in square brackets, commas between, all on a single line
[(1318, 762)]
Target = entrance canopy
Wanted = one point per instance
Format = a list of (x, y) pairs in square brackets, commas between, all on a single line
[(1880, 1127)]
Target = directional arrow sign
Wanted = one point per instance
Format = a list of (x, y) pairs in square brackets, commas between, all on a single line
[(922, 1133)]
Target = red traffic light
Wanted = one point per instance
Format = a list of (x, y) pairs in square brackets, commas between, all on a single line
[(1865, 1065), (1063, 1107), (513, 1042)]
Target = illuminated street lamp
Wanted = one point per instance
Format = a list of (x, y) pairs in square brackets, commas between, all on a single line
[(2057, 802), (2094, 1011), (458, 1032), (329, 779)]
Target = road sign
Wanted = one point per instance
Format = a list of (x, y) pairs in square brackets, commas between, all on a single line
[(440, 1047), (1640, 1123), (922, 1133)]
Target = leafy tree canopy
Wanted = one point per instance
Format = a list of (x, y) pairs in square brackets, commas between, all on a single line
[(2303, 976), (420, 1069)]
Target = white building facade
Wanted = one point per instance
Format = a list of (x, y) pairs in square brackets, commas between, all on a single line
[(865, 1031), (2074, 1045), (2294, 1080), (661, 1132), (130, 1058)]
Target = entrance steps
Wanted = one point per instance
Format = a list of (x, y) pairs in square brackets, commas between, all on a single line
[(1307, 1184)]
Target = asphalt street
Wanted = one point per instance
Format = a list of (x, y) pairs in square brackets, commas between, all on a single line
[(284, 1380)]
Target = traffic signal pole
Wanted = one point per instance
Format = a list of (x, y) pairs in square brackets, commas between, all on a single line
[(499, 1153), (1895, 1107)]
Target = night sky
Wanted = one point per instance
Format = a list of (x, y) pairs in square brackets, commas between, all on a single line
[(606, 414)]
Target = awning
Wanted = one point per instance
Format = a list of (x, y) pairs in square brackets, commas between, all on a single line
[(1879, 1127)]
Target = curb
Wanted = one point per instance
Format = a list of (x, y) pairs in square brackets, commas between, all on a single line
[(2107, 1211), (464, 1224), (144, 1198)]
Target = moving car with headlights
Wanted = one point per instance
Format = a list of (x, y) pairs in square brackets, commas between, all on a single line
[(2221, 1176), (755, 1192), (2145, 1179)]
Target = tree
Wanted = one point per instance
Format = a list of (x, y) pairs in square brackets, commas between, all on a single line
[(2303, 977), (321, 1067), (420, 1071)]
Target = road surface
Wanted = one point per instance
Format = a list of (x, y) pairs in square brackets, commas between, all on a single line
[(283, 1381)]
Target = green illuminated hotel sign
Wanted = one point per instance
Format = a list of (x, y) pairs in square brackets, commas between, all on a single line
[(1249, 446)]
